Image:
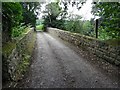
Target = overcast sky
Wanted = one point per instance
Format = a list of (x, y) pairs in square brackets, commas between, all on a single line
[(85, 11)]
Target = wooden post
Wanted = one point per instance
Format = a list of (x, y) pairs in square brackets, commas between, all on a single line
[(96, 28)]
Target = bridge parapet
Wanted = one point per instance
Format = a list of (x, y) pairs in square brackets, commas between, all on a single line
[(97, 47), (17, 60)]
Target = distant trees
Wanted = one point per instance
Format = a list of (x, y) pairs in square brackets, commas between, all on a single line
[(83, 27), (74, 24), (109, 13), (88, 28), (58, 17), (52, 11)]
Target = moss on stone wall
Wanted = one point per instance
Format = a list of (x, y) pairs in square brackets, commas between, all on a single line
[(25, 62), (114, 42), (7, 48)]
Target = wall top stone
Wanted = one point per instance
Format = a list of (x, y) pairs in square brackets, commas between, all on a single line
[(116, 43)]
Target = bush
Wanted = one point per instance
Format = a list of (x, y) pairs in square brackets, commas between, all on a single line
[(17, 31)]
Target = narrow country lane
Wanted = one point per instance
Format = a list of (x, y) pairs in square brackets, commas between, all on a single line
[(56, 65)]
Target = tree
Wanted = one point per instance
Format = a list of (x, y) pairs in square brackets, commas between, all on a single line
[(52, 11), (11, 17), (88, 28), (15, 13), (74, 23), (30, 12), (109, 12), (56, 14)]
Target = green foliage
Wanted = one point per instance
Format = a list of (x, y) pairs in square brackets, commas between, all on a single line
[(39, 21), (109, 12), (40, 27), (30, 12), (56, 17), (73, 26), (78, 26), (11, 17), (88, 28), (15, 13), (18, 31), (52, 11), (103, 35)]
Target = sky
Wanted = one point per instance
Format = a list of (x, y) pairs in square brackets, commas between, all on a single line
[(85, 11)]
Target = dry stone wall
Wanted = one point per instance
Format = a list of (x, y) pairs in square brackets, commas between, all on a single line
[(99, 48), (17, 61)]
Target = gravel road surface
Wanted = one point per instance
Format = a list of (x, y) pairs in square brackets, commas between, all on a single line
[(55, 65)]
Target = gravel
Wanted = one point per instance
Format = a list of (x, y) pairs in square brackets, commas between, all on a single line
[(56, 65)]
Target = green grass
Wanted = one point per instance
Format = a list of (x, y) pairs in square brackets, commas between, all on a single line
[(39, 27)]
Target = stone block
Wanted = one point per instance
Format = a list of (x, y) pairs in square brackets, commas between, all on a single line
[(117, 62)]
